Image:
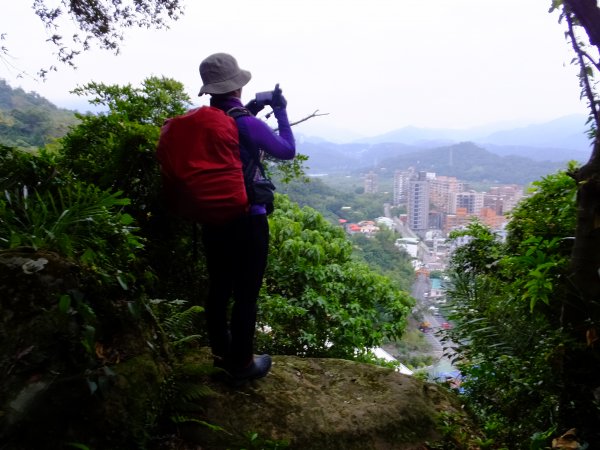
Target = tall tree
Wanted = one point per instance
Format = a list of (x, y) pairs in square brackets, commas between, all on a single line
[(581, 309)]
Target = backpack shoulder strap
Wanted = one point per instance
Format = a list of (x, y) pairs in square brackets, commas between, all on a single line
[(238, 111), (254, 162)]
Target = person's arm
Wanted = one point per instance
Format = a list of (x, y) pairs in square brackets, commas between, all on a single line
[(284, 128), (280, 146)]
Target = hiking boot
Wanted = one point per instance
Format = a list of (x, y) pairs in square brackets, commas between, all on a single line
[(258, 368)]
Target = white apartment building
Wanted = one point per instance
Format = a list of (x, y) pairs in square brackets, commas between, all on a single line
[(401, 184), (440, 190), (472, 201), (418, 203)]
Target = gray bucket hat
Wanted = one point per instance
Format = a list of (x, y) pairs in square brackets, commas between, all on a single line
[(221, 74)]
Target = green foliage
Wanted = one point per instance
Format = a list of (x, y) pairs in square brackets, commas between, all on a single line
[(413, 349), (19, 167), (289, 171), (28, 120), (549, 211), (77, 445), (180, 324), (541, 267), (335, 203), (457, 434), (538, 251), (506, 299), (477, 249), (116, 150), (379, 251), (156, 100), (318, 301), (79, 221), (256, 442), (183, 390)]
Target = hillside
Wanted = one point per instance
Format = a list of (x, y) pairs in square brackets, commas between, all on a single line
[(501, 153), (466, 161), (29, 120), (470, 162)]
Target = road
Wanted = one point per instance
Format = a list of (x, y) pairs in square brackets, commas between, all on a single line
[(422, 286), (443, 365)]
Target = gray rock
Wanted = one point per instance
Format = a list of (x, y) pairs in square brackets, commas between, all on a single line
[(326, 404)]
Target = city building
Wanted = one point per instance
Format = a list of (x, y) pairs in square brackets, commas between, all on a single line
[(410, 245), (472, 201), (503, 198), (401, 184), (490, 218), (418, 203), (440, 190), (385, 221), (371, 183)]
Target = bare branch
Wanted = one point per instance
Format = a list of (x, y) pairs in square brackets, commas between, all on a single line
[(314, 114), (310, 116)]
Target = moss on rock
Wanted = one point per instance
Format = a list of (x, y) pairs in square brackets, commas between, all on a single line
[(86, 373), (107, 390), (326, 404)]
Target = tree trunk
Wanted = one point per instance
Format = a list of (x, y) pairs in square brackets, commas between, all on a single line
[(588, 15), (581, 310)]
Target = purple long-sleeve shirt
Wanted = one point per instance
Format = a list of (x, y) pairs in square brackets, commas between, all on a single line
[(251, 129)]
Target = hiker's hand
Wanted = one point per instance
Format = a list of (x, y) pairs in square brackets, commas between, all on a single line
[(254, 107), (279, 103), (279, 100)]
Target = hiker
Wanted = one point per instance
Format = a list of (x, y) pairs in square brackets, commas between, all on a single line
[(236, 252)]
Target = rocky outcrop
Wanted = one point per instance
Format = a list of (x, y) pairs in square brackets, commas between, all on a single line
[(327, 404), (75, 365), (78, 366)]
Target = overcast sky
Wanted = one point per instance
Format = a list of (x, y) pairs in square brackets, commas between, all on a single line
[(372, 65)]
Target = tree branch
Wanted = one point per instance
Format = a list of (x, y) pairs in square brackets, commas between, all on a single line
[(584, 77), (310, 116), (589, 57), (314, 114), (573, 10), (588, 15)]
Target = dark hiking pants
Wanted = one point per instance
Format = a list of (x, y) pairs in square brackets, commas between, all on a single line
[(236, 256)]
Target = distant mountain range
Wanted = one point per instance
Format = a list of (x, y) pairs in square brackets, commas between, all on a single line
[(510, 155), (497, 154)]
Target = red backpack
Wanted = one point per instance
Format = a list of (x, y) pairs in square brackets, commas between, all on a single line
[(199, 156)]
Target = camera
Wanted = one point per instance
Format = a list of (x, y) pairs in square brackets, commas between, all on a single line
[(268, 97), (264, 98)]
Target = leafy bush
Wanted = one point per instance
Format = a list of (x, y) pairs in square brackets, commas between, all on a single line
[(506, 299), (79, 222), (318, 301)]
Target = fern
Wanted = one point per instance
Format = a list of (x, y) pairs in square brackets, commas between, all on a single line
[(179, 323), (189, 392), (187, 419), (79, 221)]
